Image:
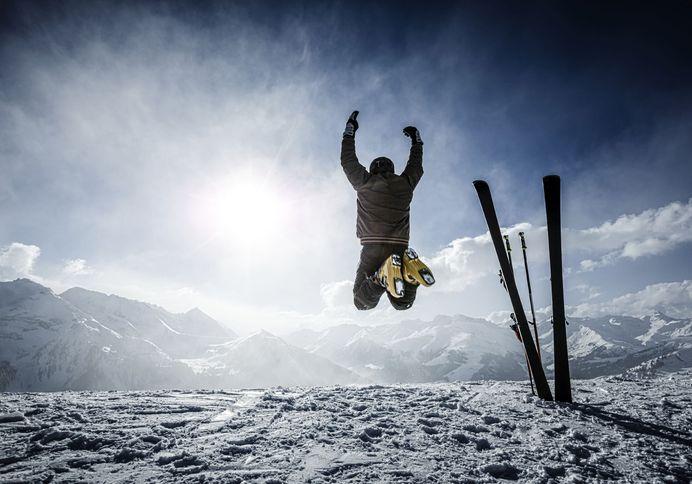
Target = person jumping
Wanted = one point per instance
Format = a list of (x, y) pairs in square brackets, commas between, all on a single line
[(384, 200)]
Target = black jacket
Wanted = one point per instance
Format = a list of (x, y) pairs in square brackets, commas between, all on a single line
[(383, 199)]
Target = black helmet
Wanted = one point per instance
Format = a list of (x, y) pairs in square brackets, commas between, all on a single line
[(381, 165)]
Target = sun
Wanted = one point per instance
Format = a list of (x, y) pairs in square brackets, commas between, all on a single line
[(244, 210)]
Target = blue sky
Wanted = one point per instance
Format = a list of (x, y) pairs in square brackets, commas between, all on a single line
[(189, 156)]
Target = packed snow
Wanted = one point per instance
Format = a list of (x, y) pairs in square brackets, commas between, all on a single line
[(618, 429)]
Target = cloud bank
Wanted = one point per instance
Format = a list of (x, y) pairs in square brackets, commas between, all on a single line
[(650, 232), (671, 298)]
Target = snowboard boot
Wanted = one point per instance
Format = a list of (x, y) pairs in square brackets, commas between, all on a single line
[(415, 272), (389, 276)]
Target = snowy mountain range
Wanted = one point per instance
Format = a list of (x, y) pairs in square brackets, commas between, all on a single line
[(462, 348), (48, 343), (615, 344), (178, 335), (88, 340), (84, 339), (444, 349), (262, 360)]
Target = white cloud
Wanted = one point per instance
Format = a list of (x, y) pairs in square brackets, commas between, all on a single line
[(76, 267), (588, 292), (671, 298), (17, 260), (466, 260), (651, 232)]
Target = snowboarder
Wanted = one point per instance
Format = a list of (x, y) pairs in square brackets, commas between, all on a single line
[(384, 199)]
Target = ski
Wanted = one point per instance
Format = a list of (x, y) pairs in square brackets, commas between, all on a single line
[(551, 188), (539, 378)]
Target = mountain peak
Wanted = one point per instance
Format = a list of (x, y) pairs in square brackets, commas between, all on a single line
[(27, 283), (262, 335), (196, 312), (22, 288), (24, 280), (200, 322)]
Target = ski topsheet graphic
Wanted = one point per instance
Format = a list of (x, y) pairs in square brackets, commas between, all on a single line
[(539, 378), (551, 187)]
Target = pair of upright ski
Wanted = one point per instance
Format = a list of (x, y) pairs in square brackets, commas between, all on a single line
[(551, 186)]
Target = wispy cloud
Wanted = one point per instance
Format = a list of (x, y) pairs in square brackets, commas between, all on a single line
[(337, 294), (76, 267)]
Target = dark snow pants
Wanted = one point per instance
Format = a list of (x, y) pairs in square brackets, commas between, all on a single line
[(366, 292)]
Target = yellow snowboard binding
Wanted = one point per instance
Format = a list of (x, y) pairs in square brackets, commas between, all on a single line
[(390, 277), (415, 272)]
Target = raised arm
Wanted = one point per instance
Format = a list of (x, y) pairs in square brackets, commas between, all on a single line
[(414, 165), (355, 172)]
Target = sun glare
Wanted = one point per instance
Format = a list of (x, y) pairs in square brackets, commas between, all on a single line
[(244, 211)]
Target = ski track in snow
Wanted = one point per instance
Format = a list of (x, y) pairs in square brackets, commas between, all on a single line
[(621, 430)]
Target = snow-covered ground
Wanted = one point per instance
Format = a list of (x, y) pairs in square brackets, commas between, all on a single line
[(620, 430)]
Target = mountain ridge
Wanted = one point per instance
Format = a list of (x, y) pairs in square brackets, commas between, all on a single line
[(84, 339), (87, 340)]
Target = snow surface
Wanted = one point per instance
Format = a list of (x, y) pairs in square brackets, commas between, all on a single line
[(621, 429)]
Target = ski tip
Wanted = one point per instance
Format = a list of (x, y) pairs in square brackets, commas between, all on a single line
[(480, 184), (551, 179)]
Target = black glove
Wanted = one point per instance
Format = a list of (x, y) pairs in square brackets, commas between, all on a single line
[(351, 125), (413, 133)]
